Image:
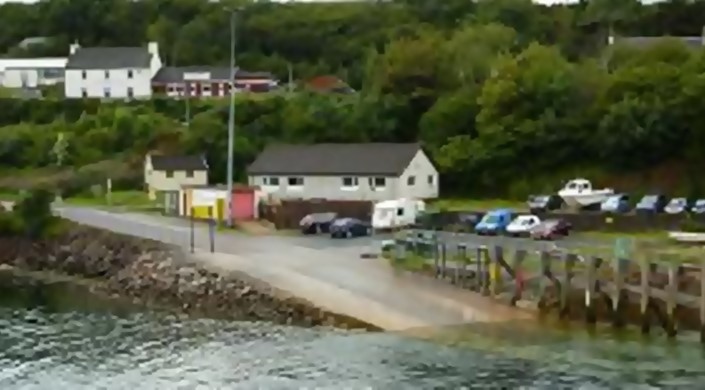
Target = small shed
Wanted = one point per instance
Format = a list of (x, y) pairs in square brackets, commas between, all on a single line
[(203, 201)]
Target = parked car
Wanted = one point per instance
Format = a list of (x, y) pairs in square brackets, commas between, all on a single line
[(618, 204), (677, 206), (651, 204), (543, 203), (522, 225), (494, 222), (698, 207), (317, 223), (459, 221), (349, 227), (551, 229)]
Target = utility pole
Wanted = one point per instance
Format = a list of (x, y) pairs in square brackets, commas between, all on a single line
[(291, 78), (231, 121)]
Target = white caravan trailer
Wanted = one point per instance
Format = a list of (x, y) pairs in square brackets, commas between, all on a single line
[(391, 214)]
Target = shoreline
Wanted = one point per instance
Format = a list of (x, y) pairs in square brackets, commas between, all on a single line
[(155, 275)]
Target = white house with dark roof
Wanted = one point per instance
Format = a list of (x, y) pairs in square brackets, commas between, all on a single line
[(206, 81), (167, 174), (371, 171), (111, 72), (29, 73)]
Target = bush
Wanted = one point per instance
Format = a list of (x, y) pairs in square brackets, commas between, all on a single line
[(10, 225), (32, 215), (692, 226)]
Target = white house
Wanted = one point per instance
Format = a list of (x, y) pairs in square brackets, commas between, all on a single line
[(31, 72), (111, 72), (368, 172)]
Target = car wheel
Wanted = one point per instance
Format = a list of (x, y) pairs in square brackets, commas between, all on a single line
[(348, 234)]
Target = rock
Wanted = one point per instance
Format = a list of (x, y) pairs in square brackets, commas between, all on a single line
[(6, 267)]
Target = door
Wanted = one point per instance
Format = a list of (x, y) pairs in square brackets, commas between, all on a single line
[(243, 206)]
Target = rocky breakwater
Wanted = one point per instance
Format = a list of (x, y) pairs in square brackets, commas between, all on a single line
[(153, 273)]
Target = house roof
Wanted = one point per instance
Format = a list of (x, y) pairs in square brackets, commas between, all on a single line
[(383, 159), (176, 74), (109, 58), (32, 63), (692, 41), (179, 163)]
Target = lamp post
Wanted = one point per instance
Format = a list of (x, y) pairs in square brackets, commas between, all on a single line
[(231, 121)]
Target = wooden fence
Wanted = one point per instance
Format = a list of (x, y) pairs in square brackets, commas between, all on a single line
[(288, 213), (620, 291)]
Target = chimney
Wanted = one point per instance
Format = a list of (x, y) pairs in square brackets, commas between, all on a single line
[(74, 47), (153, 48)]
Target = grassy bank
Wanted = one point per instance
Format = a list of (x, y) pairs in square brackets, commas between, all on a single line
[(458, 204)]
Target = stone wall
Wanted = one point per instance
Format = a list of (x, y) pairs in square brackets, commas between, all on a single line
[(150, 272)]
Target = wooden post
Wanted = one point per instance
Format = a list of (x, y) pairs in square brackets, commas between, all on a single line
[(590, 313), (545, 278), (618, 295), (486, 269), (463, 258), (645, 266), (702, 302), (519, 277), (437, 258), (444, 266), (568, 261), (211, 228), (496, 271), (478, 269), (193, 232), (671, 300)]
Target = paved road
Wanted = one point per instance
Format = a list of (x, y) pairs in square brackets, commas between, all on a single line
[(327, 272)]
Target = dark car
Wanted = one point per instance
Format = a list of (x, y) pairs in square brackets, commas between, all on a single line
[(698, 207), (544, 203), (651, 204), (551, 229), (317, 223), (349, 227), (458, 221)]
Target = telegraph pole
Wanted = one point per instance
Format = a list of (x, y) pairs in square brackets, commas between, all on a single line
[(231, 121)]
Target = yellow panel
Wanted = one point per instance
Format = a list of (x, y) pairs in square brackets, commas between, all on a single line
[(201, 212), (220, 209)]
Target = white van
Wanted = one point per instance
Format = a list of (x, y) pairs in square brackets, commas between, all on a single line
[(391, 214)]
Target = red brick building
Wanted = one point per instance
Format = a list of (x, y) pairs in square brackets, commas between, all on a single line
[(205, 81)]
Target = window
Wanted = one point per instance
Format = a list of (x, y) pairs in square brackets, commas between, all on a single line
[(83, 74), (271, 181), (430, 179), (378, 182), (130, 92), (107, 74), (106, 92), (84, 93), (169, 173), (400, 212), (411, 180), (130, 74), (350, 182), (295, 182), (189, 173)]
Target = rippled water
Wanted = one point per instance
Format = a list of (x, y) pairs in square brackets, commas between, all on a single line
[(73, 341)]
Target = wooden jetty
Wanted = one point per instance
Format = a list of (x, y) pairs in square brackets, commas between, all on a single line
[(621, 291)]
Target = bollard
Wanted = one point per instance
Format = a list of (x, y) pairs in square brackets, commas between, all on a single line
[(193, 233)]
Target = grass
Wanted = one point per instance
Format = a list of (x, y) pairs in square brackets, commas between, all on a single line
[(456, 204), (126, 199)]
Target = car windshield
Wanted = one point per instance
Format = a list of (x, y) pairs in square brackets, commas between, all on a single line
[(678, 202), (539, 199), (613, 201), (342, 221), (490, 218), (649, 199), (322, 217)]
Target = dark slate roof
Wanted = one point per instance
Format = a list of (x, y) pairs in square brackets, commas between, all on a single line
[(383, 159), (109, 58), (694, 42), (179, 163), (176, 74)]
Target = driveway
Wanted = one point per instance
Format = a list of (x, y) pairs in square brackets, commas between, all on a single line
[(328, 272)]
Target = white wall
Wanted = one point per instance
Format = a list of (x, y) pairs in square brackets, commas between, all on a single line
[(13, 78), (425, 179), (117, 83)]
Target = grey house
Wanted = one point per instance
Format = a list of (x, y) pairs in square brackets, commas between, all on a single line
[(372, 172)]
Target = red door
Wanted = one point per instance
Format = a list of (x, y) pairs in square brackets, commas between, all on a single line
[(243, 205)]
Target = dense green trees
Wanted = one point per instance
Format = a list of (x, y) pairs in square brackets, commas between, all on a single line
[(508, 96)]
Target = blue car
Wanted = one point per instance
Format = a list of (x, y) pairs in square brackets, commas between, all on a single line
[(618, 204), (651, 204), (494, 222)]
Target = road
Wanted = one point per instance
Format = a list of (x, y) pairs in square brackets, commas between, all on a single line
[(330, 273)]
